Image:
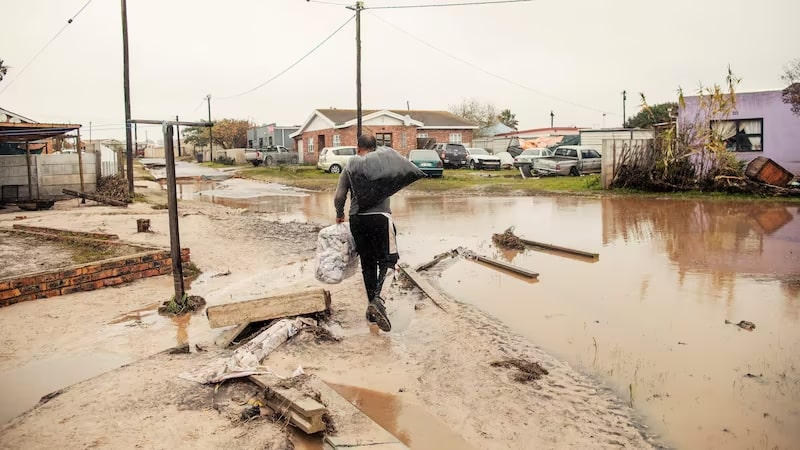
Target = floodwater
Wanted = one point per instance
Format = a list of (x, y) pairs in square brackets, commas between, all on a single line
[(406, 421), (648, 318)]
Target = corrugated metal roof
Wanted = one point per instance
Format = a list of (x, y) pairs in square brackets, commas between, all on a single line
[(429, 118)]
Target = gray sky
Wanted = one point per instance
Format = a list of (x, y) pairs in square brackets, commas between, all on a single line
[(577, 52)]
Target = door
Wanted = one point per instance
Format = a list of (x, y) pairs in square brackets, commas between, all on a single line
[(300, 150), (321, 141)]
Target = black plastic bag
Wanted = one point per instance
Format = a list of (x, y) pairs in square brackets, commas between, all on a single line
[(377, 175)]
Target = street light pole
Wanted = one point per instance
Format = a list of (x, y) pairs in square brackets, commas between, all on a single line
[(552, 116), (210, 133), (624, 99)]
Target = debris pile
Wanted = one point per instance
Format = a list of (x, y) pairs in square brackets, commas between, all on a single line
[(508, 240), (114, 187), (527, 371)]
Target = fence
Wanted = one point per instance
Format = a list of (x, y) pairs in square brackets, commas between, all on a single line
[(49, 175), (108, 168), (616, 152)]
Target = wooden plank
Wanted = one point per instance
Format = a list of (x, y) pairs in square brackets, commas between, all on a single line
[(436, 297), (94, 197), (287, 305), (225, 339), (354, 429), (299, 409), (503, 265), (559, 248), (436, 260)]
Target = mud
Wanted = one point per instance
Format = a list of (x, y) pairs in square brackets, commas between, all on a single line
[(23, 254), (526, 371), (507, 240)]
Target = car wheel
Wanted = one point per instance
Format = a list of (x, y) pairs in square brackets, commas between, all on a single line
[(472, 165), (335, 169), (294, 161), (268, 161), (574, 171), (256, 163)]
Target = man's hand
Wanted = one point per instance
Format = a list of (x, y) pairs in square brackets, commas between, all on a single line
[(340, 220)]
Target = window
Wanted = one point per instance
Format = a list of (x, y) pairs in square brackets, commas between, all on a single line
[(270, 141), (311, 145), (384, 139), (403, 142), (740, 135), (422, 135), (249, 143), (455, 138), (337, 140), (260, 142)]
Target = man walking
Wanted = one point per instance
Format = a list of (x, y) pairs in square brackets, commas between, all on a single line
[(374, 235)]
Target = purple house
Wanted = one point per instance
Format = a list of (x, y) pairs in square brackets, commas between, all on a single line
[(761, 125)]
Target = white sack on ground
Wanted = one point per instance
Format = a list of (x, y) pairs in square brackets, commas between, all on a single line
[(336, 254)]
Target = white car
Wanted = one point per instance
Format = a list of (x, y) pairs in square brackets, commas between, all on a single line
[(478, 158), (334, 159), (530, 155)]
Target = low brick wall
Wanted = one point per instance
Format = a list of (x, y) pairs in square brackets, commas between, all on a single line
[(59, 232), (87, 277)]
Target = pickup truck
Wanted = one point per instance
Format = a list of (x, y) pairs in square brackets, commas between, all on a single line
[(569, 160), (271, 156), (252, 156)]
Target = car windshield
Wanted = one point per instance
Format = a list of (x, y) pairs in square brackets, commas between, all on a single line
[(530, 153), (456, 149), (478, 151), (423, 154)]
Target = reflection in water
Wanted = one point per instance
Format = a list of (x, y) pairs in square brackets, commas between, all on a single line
[(182, 325)]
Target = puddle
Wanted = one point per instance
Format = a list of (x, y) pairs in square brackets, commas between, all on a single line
[(409, 423), (136, 315), (21, 388)]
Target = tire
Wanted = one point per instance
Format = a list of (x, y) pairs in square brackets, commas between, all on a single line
[(472, 165), (294, 161), (335, 168), (573, 171), (268, 161), (256, 162)]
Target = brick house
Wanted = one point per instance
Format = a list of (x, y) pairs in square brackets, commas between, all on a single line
[(398, 129)]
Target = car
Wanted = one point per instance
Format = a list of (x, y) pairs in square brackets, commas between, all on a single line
[(528, 156), (478, 158), (428, 161), (452, 155), (334, 159), (571, 160)]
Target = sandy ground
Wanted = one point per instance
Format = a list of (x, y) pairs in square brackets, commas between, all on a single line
[(439, 360)]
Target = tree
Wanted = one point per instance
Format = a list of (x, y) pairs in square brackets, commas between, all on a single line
[(3, 70), (791, 95), (228, 133), (482, 114), (508, 119), (651, 115)]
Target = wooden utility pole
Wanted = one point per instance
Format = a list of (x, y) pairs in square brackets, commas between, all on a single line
[(357, 8), (80, 160), (624, 99), (127, 87), (172, 204), (178, 132), (552, 116), (210, 132)]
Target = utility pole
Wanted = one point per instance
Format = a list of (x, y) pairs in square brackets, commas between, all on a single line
[(624, 117), (604, 120), (210, 133), (178, 132), (90, 132), (552, 116), (136, 137), (127, 87), (357, 8)]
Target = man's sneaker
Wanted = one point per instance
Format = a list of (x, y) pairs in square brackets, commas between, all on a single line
[(378, 312), (370, 317)]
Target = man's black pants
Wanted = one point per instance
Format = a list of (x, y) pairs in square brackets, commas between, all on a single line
[(374, 247)]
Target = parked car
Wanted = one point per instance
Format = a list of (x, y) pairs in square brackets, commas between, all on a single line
[(452, 155), (478, 158), (529, 155), (277, 155), (334, 159), (428, 161), (569, 160)]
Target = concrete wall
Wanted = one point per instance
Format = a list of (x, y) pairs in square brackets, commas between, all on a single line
[(49, 174), (781, 132)]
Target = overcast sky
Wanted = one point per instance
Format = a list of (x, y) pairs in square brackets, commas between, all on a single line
[(574, 57)]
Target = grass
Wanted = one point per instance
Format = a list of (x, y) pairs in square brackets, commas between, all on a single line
[(218, 165)]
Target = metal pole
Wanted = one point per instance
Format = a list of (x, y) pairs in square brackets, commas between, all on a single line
[(127, 87), (210, 132), (172, 204), (80, 160), (178, 132), (624, 117), (30, 177), (136, 137), (551, 118), (359, 7), (90, 133)]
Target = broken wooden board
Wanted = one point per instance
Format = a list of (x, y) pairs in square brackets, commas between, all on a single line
[(436, 260), (354, 429), (279, 306), (559, 248), (299, 409), (228, 336), (502, 265), (436, 297)]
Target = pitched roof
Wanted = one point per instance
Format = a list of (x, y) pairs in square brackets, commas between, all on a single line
[(429, 118), (8, 116)]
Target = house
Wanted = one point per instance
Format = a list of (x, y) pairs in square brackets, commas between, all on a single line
[(760, 125), (269, 135), (399, 129)]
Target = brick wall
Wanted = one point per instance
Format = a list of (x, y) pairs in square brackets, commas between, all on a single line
[(87, 277), (348, 137)]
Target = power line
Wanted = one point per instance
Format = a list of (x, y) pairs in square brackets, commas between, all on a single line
[(71, 19), (328, 3), (293, 64), (441, 5), (475, 66)]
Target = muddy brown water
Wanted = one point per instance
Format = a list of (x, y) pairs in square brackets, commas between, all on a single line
[(648, 317)]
